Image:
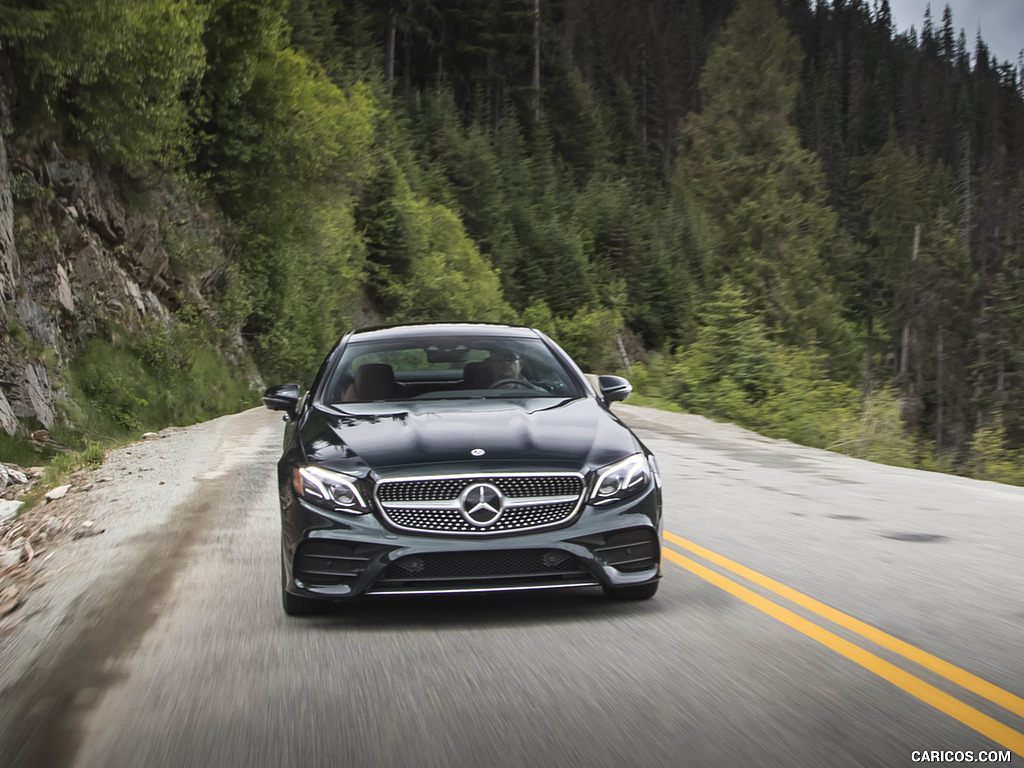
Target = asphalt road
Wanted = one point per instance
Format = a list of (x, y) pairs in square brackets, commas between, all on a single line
[(815, 610)]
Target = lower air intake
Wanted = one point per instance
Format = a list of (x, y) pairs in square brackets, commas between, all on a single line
[(630, 551), (331, 563), (501, 569)]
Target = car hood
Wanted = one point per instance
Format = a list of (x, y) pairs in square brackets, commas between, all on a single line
[(387, 438)]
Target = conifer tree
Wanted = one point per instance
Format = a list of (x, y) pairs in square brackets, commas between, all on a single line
[(761, 192)]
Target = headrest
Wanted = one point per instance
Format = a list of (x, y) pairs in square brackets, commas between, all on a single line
[(475, 376), (374, 381)]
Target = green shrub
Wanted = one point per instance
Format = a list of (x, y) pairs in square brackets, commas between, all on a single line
[(118, 71), (67, 463), (590, 336), (806, 406), (448, 278), (162, 376), (877, 434), (538, 315), (735, 372), (651, 378), (16, 449), (989, 458)]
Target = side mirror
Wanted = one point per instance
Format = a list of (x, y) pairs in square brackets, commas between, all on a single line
[(614, 388), (283, 397)]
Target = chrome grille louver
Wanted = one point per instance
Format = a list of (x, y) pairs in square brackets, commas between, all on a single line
[(532, 500)]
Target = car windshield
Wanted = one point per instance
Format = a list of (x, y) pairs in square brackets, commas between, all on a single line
[(443, 368)]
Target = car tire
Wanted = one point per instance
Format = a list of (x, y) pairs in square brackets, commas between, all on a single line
[(297, 605), (638, 592)]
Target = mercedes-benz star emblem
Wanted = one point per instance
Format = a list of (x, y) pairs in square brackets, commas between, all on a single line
[(481, 504), (478, 452)]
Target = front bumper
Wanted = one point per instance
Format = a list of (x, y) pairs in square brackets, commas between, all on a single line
[(336, 556)]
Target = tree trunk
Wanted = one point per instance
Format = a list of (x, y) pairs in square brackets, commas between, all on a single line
[(867, 388), (536, 60), (643, 99), (440, 51), (407, 41), (939, 394), (965, 185), (390, 49), (906, 323)]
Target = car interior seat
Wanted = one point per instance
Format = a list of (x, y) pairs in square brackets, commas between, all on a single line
[(373, 381), (475, 376)]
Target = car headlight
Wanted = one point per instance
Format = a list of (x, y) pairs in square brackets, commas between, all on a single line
[(621, 480), (655, 471), (330, 489)]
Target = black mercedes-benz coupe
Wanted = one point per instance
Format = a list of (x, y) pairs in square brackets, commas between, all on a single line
[(450, 458)]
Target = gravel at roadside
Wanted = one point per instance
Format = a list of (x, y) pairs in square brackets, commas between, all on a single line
[(70, 550)]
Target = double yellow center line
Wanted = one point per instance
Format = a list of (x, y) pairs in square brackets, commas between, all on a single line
[(929, 694)]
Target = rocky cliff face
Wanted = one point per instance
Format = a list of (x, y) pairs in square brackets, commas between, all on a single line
[(74, 255), (8, 264), (8, 254)]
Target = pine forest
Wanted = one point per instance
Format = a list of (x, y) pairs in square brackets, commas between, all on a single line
[(785, 214)]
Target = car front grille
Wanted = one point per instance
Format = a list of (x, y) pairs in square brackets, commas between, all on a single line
[(433, 504), (483, 570)]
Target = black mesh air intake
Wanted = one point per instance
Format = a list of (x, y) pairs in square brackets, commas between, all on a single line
[(320, 562), (628, 551), (482, 569)]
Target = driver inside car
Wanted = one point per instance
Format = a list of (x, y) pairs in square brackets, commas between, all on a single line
[(504, 364)]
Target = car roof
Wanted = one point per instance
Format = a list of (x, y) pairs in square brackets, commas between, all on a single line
[(427, 330)]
